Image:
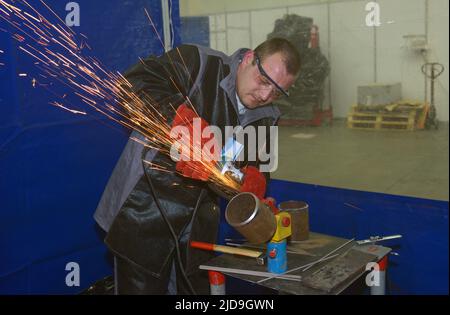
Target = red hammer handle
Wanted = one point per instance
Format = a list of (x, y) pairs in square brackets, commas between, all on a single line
[(202, 245)]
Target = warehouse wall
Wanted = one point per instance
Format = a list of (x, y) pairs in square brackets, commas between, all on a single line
[(438, 29), (358, 53)]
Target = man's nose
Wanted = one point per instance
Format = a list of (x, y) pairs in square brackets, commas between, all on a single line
[(265, 94)]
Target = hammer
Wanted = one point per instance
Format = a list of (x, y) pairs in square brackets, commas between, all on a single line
[(259, 256)]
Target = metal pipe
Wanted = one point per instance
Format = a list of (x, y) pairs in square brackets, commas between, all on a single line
[(251, 217), (251, 273), (295, 269), (334, 250), (166, 24)]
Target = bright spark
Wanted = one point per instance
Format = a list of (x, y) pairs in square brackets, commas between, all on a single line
[(68, 109), (58, 53)]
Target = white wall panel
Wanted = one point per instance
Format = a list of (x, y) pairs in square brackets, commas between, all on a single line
[(238, 25), (396, 63), (218, 36), (263, 23), (351, 46), (438, 40)]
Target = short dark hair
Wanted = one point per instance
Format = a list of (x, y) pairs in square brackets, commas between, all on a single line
[(286, 48)]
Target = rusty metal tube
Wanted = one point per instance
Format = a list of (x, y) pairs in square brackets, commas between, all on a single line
[(251, 217)]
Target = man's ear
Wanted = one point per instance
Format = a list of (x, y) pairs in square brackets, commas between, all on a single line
[(248, 57)]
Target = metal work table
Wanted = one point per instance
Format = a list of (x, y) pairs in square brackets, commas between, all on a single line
[(326, 277)]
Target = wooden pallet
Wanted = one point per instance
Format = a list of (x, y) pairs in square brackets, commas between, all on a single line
[(384, 120)]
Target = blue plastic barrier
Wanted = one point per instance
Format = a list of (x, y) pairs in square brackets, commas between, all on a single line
[(54, 165)]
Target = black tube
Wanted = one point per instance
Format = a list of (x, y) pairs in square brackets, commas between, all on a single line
[(172, 232)]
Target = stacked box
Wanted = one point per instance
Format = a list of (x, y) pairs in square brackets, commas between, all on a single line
[(379, 94)]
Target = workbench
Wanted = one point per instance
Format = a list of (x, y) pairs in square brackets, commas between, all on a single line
[(331, 276)]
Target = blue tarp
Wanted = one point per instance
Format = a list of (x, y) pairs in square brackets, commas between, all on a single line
[(54, 164)]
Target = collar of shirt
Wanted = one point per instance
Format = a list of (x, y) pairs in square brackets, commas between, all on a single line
[(228, 84), (241, 107)]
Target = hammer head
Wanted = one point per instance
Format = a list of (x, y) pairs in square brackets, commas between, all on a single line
[(261, 259)]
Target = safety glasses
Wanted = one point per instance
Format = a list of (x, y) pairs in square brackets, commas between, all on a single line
[(265, 75)]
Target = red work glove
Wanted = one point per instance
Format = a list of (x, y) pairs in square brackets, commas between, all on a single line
[(184, 116), (253, 181), (193, 168)]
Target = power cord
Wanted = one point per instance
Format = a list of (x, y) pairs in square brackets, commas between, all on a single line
[(166, 220)]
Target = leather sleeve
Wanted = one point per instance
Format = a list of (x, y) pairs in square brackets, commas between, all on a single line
[(164, 82)]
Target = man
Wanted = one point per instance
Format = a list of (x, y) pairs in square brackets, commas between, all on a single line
[(149, 215)]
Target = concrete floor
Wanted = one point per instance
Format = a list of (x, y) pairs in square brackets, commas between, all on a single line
[(409, 163)]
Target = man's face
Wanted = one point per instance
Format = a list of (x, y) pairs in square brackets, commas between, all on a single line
[(254, 88)]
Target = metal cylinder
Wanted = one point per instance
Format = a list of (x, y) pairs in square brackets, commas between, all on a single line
[(299, 211), (251, 217)]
